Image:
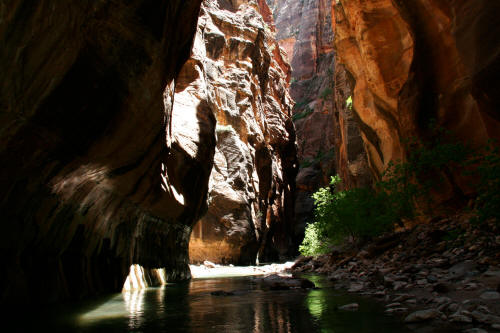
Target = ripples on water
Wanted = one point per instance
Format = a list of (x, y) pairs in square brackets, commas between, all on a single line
[(190, 307)]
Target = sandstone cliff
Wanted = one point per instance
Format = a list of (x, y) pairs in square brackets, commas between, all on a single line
[(328, 138), (237, 73), (92, 177), (413, 61)]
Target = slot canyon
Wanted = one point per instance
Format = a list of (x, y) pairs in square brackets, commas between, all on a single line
[(250, 165)]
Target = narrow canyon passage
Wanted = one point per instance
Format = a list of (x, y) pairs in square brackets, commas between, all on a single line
[(147, 146)]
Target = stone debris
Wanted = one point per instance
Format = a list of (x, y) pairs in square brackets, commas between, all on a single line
[(422, 315), (449, 281)]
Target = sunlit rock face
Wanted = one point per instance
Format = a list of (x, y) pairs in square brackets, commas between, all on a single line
[(328, 139), (413, 61), (93, 177), (238, 73)]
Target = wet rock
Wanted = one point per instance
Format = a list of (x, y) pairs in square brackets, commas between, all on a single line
[(453, 307), (475, 330), (485, 318), (471, 286), (432, 278), (277, 282), (399, 285), (396, 310), (350, 307), (393, 305), (442, 300), (422, 315), (461, 269), (490, 295), (459, 318)]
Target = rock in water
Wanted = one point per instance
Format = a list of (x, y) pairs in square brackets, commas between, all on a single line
[(350, 307), (422, 315)]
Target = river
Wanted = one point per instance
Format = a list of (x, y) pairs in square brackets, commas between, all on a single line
[(248, 307)]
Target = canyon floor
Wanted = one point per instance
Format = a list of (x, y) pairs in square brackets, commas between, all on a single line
[(443, 273)]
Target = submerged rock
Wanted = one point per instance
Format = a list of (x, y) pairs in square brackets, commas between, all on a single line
[(422, 315), (278, 282), (350, 307)]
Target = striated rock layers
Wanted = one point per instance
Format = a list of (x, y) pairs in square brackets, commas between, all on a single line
[(237, 72), (94, 177), (328, 138), (413, 61)]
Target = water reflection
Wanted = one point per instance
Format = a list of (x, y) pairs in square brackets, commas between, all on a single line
[(191, 307), (134, 303)]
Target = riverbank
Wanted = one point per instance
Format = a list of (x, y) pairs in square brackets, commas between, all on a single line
[(211, 270), (446, 272)]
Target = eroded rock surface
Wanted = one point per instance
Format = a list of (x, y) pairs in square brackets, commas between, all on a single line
[(413, 61), (328, 138), (238, 73), (93, 179)]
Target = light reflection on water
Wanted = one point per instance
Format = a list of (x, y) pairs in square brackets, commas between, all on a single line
[(190, 307)]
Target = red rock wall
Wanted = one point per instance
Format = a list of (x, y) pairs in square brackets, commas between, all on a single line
[(92, 178), (328, 138), (237, 72), (413, 61)]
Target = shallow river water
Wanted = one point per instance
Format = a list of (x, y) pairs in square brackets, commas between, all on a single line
[(190, 307)]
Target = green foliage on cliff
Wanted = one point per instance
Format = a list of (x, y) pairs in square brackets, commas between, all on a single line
[(348, 102), (354, 214), (362, 213)]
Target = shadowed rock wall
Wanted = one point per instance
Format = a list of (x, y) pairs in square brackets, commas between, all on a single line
[(92, 177), (237, 70)]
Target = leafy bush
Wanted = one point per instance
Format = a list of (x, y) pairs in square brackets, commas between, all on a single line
[(357, 214), (361, 213), (348, 102)]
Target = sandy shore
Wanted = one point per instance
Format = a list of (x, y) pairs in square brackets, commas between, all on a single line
[(211, 270)]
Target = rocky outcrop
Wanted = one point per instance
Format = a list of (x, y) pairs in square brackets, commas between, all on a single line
[(94, 176), (351, 161), (413, 61), (328, 138), (237, 73)]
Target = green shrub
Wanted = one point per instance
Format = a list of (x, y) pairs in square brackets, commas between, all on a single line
[(348, 103), (355, 214), (361, 213)]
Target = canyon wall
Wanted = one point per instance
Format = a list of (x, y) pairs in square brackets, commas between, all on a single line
[(413, 61), (93, 175), (238, 73), (328, 138)]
